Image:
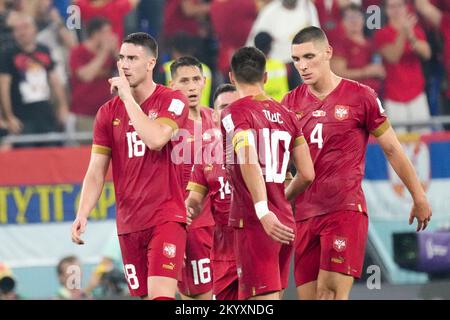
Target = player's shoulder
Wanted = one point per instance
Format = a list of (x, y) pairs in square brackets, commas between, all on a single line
[(296, 93), (362, 90), (166, 92), (240, 105)]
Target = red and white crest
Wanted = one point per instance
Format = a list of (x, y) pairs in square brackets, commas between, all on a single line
[(153, 114), (339, 243), (169, 250), (341, 112)]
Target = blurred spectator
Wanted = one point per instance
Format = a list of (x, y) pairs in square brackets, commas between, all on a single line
[(7, 14), (52, 33), (69, 275), (113, 10), (184, 16), (402, 44), (354, 56), (27, 82), (7, 284), (92, 63), (108, 279), (329, 12), (232, 21), (150, 16), (282, 19), (182, 44), (276, 85), (440, 20)]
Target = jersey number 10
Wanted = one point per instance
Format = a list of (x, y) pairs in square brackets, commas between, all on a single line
[(272, 143)]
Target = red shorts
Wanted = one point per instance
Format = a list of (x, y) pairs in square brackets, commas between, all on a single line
[(332, 242), (157, 251), (225, 280), (196, 275), (262, 263)]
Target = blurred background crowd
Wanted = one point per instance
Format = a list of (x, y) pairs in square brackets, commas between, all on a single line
[(54, 78), (55, 59)]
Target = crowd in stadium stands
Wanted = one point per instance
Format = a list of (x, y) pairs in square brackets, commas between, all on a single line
[(54, 79)]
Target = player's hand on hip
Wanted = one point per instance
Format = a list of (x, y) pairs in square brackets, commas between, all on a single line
[(276, 230), (120, 84), (421, 210), (78, 227), (189, 215)]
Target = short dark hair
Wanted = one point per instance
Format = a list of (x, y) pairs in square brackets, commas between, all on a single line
[(143, 39), (263, 41), (224, 87), (248, 65), (186, 61), (96, 24), (63, 261), (309, 34)]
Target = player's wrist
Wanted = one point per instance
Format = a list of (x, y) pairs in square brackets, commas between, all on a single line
[(261, 209)]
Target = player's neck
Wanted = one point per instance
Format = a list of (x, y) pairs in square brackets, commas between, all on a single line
[(245, 90), (322, 88), (194, 113), (143, 90)]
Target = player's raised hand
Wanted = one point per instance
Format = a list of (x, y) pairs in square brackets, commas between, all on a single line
[(120, 84), (422, 212), (276, 230), (78, 227)]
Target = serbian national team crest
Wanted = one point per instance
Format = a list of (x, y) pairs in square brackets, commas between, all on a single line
[(341, 112), (152, 114), (339, 243), (169, 250)]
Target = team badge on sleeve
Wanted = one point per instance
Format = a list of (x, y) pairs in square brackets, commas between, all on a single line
[(228, 123), (169, 250), (341, 112), (176, 106)]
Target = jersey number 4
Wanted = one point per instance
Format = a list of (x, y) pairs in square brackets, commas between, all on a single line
[(316, 135)]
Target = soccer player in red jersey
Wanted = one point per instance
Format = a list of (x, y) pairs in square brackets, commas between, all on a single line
[(209, 179), (133, 131), (262, 134), (187, 76), (337, 115)]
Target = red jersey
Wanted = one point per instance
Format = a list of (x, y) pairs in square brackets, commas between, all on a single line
[(275, 133), (404, 79), (357, 55), (211, 180), (175, 20), (115, 11), (337, 130), (189, 142), (445, 30), (87, 97), (146, 181)]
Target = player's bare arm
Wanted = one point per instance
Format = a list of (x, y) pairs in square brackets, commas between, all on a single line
[(154, 134), (254, 180), (194, 205), (90, 193), (305, 171), (400, 163), (432, 14)]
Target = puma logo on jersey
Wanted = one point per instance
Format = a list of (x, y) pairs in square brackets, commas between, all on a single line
[(169, 266), (116, 122), (273, 117), (319, 113)]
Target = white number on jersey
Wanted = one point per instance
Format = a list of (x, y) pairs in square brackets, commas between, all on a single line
[(316, 135), (130, 274), (272, 143), (224, 188), (136, 147), (202, 272)]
